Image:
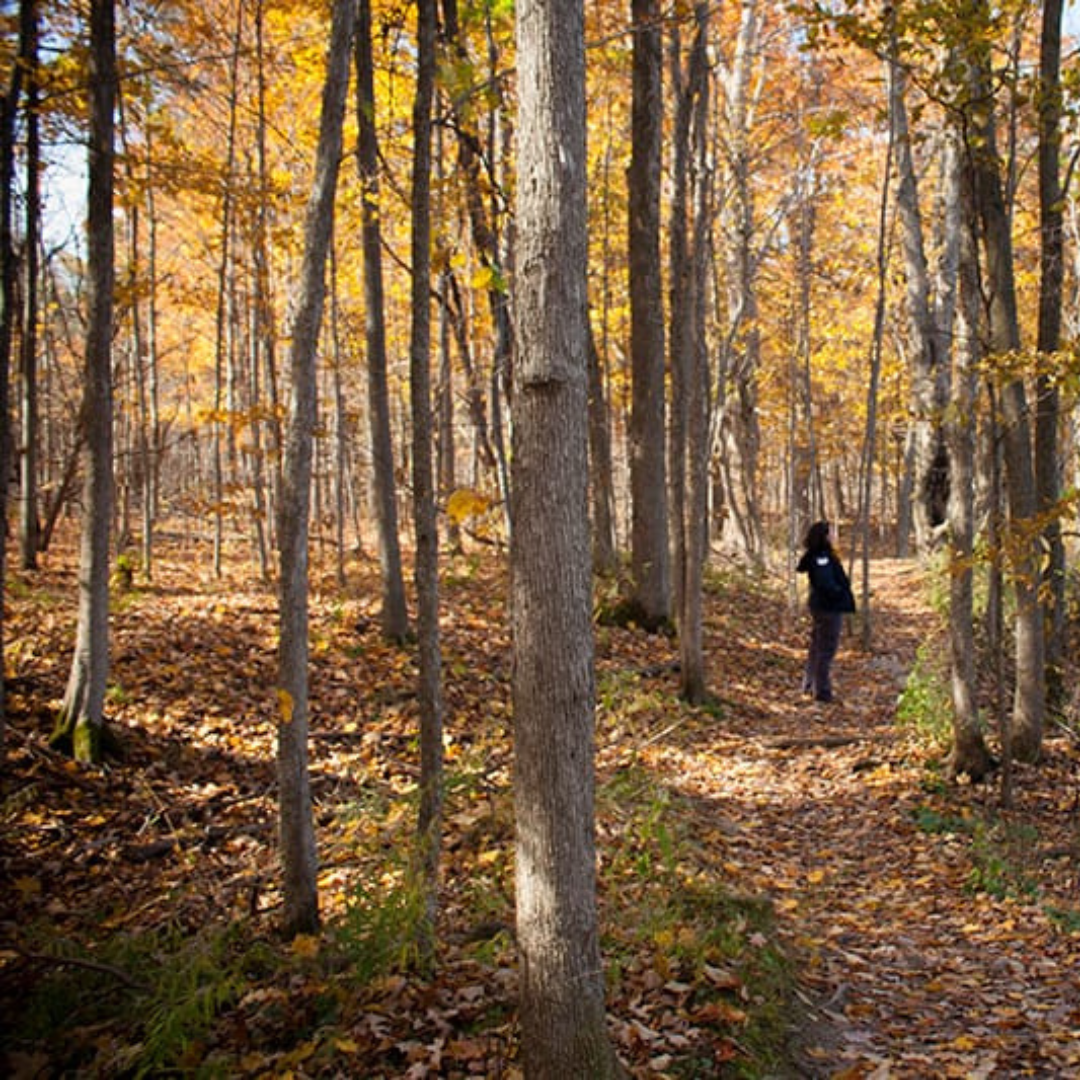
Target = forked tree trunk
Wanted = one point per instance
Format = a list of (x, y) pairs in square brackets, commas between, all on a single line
[(296, 827), (80, 725), (563, 1020)]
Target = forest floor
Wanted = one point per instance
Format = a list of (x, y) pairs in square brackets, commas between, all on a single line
[(787, 889)]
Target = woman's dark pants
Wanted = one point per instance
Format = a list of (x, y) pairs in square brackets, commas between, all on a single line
[(824, 641)]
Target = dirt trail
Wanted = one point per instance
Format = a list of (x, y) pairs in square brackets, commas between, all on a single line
[(909, 972)]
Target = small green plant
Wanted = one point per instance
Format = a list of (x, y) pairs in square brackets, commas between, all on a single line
[(1000, 855), (381, 929), (156, 995), (924, 705), (127, 563)]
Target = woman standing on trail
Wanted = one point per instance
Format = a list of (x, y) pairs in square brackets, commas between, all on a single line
[(830, 599)]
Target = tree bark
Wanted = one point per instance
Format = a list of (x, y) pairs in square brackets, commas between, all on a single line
[(930, 480), (81, 722), (394, 614), (425, 522), (689, 360), (1029, 700), (296, 826), (738, 433), (28, 523), (969, 755), (650, 552), (1051, 287), (564, 1030)]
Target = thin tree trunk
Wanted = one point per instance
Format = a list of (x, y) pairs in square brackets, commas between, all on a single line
[(601, 472), (29, 526), (297, 828), (8, 308), (223, 329), (649, 540), (1051, 287), (485, 235), (394, 614), (689, 363), (425, 523), (81, 722)]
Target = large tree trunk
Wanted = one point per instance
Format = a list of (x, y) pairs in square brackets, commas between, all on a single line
[(929, 460), (81, 721), (969, 755), (1029, 702), (650, 555), (394, 612), (564, 1028), (297, 828)]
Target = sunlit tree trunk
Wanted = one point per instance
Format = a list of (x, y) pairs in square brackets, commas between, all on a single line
[(221, 426), (737, 431), (425, 522), (929, 461), (394, 615), (563, 1021), (649, 540), (81, 722), (297, 828)]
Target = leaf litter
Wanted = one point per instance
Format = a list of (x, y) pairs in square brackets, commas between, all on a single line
[(761, 857)]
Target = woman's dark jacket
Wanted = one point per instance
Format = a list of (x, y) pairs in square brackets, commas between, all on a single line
[(830, 590)]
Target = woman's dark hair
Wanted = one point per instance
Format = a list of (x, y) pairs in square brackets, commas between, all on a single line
[(817, 537)]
